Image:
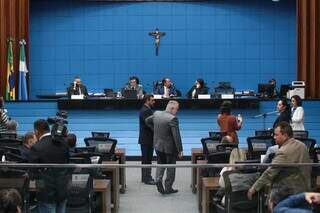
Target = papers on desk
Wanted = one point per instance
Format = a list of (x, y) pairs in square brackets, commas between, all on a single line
[(77, 97)]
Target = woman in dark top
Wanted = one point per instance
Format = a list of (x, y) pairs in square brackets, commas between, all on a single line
[(285, 112), (198, 88)]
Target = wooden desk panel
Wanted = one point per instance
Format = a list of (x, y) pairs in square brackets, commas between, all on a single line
[(121, 154), (195, 153)]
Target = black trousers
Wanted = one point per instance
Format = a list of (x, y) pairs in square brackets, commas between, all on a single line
[(146, 158)]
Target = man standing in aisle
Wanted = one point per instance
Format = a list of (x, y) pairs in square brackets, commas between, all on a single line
[(167, 143), (146, 138)]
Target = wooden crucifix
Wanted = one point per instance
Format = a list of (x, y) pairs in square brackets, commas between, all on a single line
[(157, 35)]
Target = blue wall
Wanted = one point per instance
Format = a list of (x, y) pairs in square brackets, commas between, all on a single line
[(124, 125), (242, 41)]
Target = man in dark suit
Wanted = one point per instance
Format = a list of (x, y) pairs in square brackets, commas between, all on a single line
[(167, 143), (28, 141), (166, 89), (53, 182), (146, 138), (285, 112), (77, 88)]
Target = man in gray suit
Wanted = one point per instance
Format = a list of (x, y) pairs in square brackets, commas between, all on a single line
[(167, 144)]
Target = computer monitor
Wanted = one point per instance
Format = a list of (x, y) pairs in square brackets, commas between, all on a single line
[(130, 94), (263, 88), (284, 89), (109, 93)]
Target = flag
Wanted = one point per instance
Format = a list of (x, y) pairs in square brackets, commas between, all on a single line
[(23, 91), (10, 88)]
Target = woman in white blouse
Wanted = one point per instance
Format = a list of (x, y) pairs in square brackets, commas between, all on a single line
[(297, 113)]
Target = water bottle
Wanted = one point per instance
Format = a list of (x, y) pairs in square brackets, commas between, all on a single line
[(119, 94), (239, 118)]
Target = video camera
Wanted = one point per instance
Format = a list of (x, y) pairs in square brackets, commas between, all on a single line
[(61, 117), (59, 128)]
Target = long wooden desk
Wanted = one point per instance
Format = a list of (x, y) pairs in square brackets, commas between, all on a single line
[(114, 103), (113, 174), (208, 184), (195, 154), (121, 154), (102, 186)]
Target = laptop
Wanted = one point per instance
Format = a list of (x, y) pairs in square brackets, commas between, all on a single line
[(109, 93), (130, 94)]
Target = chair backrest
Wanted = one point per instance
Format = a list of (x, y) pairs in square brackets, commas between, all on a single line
[(100, 134), (19, 180), (264, 133), (209, 144), (258, 146), (310, 143), (237, 184), (105, 146), (220, 135), (8, 135), (297, 134), (10, 142), (81, 192)]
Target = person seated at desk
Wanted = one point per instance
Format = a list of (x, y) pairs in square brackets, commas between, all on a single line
[(77, 88), (271, 90), (166, 88), (134, 85), (198, 88)]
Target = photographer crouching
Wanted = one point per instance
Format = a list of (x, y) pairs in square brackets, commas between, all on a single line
[(51, 148)]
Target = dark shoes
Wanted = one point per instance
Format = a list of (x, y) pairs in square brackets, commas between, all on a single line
[(171, 191), (160, 188), (150, 182)]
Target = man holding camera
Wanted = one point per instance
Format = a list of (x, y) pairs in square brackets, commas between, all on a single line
[(77, 88), (52, 149)]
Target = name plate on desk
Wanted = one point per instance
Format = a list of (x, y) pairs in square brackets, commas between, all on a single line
[(227, 96), (157, 96), (77, 97), (204, 96)]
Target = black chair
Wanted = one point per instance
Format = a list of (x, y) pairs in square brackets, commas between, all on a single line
[(8, 135), (19, 180), (209, 144), (297, 134), (88, 149), (237, 183), (264, 133), (217, 134), (100, 134), (104, 146), (10, 142), (81, 193), (258, 146), (310, 143)]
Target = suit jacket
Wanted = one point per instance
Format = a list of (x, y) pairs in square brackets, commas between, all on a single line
[(160, 91), (202, 90), (292, 180), (53, 183), (145, 133), (166, 137), (72, 91), (284, 116)]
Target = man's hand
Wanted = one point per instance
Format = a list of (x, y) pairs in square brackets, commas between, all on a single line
[(180, 155), (312, 197), (250, 193)]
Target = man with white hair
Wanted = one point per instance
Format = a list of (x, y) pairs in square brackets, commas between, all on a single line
[(167, 144)]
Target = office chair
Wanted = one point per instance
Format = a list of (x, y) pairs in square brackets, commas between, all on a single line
[(10, 142), (310, 143), (100, 134), (209, 144), (81, 193), (105, 146), (237, 184), (258, 146), (297, 134), (8, 135), (220, 135), (17, 179), (264, 133)]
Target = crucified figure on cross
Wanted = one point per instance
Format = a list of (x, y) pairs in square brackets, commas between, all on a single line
[(157, 35)]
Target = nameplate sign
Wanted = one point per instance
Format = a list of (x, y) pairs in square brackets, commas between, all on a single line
[(204, 96)]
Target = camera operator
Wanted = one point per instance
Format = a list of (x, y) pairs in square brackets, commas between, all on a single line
[(51, 148)]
